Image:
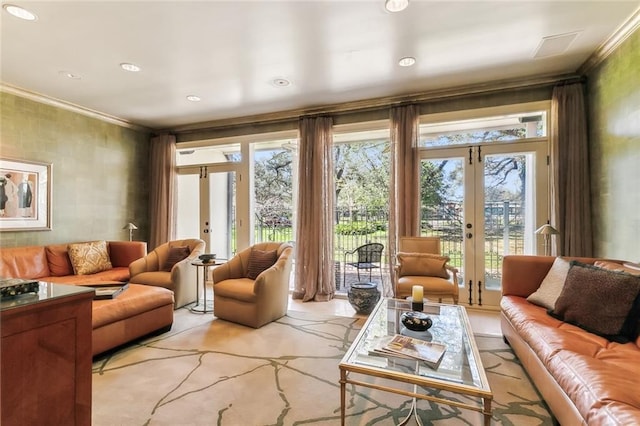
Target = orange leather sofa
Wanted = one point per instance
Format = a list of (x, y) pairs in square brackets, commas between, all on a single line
[(584, 378), (136, 312)]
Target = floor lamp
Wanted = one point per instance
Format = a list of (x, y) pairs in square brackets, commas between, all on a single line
[(130, 226), (547, 231)]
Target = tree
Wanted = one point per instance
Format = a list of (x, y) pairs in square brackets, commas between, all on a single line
[(273, 187), (362, 175)]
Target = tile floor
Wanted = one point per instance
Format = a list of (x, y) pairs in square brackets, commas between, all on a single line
[(482, 321)]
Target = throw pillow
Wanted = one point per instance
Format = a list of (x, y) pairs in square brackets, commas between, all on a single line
[(552, 284), (600, 301), (89, 258), (259, 261), (176, 254), (422, 264)]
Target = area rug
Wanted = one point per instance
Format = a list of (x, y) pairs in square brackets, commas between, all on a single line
[(206, 371)]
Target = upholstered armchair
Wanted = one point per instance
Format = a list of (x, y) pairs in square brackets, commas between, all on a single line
[(252, 288), (419, 262), (169, 266)]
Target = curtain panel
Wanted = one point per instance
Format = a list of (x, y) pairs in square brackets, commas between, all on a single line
[(570, 172), (162, 194), (314, 270), (404, 191)]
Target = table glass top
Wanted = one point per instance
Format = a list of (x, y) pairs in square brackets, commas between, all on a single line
[(460, 363), (46, 292)]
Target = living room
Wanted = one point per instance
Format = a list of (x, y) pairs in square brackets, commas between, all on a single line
[(101, 170)]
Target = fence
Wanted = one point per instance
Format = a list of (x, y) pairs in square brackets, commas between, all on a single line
[(503, 232)]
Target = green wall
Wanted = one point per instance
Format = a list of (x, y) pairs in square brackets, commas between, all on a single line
[(100, 171), (614, 133)]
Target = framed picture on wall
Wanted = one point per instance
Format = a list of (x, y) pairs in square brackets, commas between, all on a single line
[(25, 195)]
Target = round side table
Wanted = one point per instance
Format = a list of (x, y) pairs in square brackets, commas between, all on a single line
[(204, 308)]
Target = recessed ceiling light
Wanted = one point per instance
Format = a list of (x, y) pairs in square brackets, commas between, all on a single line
[(280, 82), (396, 5), (407, 61), (70, 75), (194, 98), (20, 12), (129, 67)]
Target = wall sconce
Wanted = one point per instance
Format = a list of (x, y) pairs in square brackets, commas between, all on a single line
[(547, 231), (130, 226)]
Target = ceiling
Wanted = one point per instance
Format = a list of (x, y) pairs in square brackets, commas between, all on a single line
[(230, 52)]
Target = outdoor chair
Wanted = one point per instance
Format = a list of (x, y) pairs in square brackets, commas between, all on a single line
[(368, 257)]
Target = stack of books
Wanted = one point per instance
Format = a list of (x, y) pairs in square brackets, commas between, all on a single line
[(410, 347)]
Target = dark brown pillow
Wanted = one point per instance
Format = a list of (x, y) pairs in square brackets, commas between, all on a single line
[(260, 260), (176, 254), (604, 302)]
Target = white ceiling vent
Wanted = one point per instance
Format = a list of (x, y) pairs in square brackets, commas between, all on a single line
[(555, 45)]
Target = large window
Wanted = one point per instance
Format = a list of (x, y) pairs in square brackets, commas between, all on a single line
[(273, 190), (362, 164)]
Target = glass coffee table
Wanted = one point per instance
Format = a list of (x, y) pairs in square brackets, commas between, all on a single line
[(460, 370)]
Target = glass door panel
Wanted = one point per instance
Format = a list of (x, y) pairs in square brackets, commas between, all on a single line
[(219, 214), (442, 200), (188, 207), (513, 197)]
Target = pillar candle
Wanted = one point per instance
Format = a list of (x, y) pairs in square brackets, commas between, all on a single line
[(417, 293)]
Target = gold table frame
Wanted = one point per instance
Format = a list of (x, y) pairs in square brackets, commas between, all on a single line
[(355, 362)]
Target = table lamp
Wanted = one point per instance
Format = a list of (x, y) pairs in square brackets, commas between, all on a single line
[(547, 231), (130, 226)]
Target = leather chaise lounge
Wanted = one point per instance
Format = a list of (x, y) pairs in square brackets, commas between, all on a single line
[(136, 312)]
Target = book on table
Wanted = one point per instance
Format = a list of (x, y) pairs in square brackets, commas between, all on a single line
[(412, 348), (107, 290)]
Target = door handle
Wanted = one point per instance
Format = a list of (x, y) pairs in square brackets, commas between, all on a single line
[(469, 235)]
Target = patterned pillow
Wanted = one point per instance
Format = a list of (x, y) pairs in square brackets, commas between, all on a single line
[(603, 302), (89, 258), (176, 254), (552, 284), (259, 261), (422, 264)]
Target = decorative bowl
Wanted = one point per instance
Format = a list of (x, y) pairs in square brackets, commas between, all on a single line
[(416, 321), (207, 257)]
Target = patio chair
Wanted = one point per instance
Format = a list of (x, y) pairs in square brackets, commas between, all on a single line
[(368, 257)]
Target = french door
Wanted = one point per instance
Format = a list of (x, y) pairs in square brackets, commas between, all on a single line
[(207, 208), (484, 202)]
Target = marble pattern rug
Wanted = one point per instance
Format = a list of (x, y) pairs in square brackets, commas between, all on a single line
[(207, 371)]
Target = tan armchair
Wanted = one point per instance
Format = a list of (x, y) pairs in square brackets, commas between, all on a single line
[(419, 262), (181, 278), (252, 302)]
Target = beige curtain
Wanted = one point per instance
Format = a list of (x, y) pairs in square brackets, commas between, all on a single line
[(162, 206), (404, 191), (570, 176), (314, 270)]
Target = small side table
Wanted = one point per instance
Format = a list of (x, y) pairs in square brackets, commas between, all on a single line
[(203, 309)]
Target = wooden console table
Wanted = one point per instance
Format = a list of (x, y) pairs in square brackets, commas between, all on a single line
[(45, 371)]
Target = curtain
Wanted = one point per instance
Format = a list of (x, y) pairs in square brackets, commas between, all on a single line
[(570, 177), (162, 206), (404, 191), (314, 270)]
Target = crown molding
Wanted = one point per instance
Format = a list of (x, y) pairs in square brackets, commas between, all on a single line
[(376, 103), (603, 51), (47, 100)]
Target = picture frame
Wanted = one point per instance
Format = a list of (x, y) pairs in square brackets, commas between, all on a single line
[(25, 195)]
